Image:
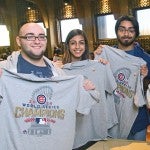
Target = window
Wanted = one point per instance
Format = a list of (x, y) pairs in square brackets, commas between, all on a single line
[(67, 26), (106, 26), (142, 17), (42, 25), (4, 36)]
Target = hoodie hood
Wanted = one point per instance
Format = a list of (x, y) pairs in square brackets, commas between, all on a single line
[(11, 64)]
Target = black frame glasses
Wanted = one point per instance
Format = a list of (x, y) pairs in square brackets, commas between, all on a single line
[(130, 30), (33, 38)]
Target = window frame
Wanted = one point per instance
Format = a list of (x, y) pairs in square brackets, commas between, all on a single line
[(60, 24), (135, 15), (97, 28), (8, 40)]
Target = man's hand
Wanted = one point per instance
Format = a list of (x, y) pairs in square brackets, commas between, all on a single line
[(88, 85), (98, 51), (103, 61), (144, 70)]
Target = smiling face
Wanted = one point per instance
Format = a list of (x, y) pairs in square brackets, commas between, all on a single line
[(33, 49), (126, 33), (77, 47)]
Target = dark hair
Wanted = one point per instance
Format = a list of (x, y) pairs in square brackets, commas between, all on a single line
[(67, 54), (128, 18)]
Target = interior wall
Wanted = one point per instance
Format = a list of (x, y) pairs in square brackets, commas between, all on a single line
[(86, 13)]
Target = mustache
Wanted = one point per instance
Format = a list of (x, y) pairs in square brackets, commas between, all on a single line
[(126, 37)]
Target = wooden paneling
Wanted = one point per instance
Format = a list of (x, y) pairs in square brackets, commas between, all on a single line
[(144, 41), (85, 12)]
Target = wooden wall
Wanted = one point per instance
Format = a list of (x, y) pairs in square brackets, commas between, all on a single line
[(86, 11)]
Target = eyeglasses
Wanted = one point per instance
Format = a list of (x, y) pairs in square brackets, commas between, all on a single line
[(130, 30), (33, 38)]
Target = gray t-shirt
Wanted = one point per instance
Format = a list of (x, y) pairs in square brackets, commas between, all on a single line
[(129, 94), (40, 113), (102, 116)]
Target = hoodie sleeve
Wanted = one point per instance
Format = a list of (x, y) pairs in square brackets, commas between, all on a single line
[(56, 71), (11, 62)]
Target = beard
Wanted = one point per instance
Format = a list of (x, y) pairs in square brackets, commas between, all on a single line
[(127, 42), (31, 55)]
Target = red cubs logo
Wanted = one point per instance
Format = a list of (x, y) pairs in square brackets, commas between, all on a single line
[(121, 76), (41, 99)]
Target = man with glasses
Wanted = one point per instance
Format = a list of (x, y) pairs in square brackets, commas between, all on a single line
[(32, 42), (39, 108), (127, 30)]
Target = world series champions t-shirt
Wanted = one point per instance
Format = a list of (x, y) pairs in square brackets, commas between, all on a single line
[(129, 95), (102, 117), (40, 113)]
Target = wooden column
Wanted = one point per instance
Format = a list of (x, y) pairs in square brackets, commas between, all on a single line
[(84, 14), (119, 8), (11, 22), (47, 9)]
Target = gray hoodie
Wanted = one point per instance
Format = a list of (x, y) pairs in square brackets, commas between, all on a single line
[(11, 64)]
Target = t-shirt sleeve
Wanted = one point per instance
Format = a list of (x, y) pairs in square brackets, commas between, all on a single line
[(139, 98)]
